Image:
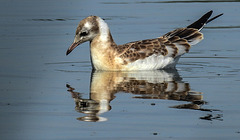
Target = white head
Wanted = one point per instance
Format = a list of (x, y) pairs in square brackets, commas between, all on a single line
[(88, 29)]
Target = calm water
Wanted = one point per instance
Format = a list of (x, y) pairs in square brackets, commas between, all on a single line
[(47, 95)]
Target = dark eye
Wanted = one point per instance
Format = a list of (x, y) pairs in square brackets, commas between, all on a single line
[(84, 33)]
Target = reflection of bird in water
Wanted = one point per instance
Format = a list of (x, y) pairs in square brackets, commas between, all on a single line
[(145, 84), (86, 106), (150, 54)]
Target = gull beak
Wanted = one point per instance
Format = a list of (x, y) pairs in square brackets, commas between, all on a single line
[(72, 47)]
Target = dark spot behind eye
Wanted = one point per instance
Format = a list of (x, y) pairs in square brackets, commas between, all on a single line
[(83, 33)]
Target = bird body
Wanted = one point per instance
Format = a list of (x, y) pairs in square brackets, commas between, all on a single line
[(150, 54)]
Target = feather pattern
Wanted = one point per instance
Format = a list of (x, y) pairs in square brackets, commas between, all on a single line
[(172, 44)]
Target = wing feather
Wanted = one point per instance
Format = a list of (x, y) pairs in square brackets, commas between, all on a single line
[(172, 44)]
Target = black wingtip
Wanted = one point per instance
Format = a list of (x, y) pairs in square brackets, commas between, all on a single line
[(214, 18), (203, 20)]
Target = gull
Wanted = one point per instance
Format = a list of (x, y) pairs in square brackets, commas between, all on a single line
[(151, 54)]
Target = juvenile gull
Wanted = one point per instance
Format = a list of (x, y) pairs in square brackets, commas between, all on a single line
[(150, 54)]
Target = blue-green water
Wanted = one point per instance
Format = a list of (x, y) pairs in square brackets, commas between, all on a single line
[(199, 100)]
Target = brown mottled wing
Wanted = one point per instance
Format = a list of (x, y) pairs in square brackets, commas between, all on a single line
[(172, 44)]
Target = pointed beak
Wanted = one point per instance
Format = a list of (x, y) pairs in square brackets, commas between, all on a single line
[(72, 47)]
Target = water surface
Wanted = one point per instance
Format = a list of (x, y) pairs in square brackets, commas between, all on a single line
[(47, 95)]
